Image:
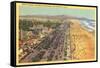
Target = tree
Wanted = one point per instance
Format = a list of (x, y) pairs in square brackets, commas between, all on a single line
[(25, 24)]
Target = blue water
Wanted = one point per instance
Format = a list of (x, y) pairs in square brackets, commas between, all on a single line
[(89, 25)]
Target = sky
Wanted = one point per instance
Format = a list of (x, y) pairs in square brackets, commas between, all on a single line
[(30, 10)]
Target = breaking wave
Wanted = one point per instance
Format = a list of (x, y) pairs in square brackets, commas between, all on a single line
[(89, 25)]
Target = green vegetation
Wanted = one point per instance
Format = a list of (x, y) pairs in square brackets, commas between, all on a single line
[(25, 24), (49, 24)]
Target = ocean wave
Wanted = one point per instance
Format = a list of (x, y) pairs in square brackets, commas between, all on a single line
[(88, 25)]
